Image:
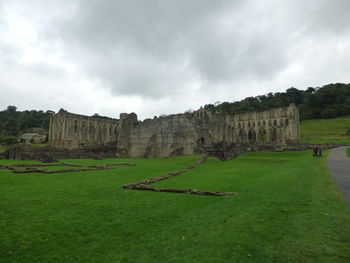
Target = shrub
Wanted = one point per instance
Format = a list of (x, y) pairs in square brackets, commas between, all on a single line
[(9, 140)]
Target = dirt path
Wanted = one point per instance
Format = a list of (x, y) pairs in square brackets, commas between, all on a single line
[(339, 166)]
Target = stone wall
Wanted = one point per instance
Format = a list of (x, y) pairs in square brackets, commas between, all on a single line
[(179, 134), (71, 131)]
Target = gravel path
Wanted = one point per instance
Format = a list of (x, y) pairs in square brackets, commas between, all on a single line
[(339, 165)]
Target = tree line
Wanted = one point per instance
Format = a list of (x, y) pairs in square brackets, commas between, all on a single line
[(329, 101), (14, 123)]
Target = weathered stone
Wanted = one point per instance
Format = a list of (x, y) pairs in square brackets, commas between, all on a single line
[(220, 135)]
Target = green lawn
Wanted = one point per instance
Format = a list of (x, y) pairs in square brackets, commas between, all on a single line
[(288, 209), (326, 130), (348, 151)]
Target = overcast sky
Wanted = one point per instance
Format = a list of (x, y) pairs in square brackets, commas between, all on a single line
[(158, 57)]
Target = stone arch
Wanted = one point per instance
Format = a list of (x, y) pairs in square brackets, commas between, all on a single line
[(273, 134), (201, 141), (253, 123), (274, 122), (99, 132), (262, 135), (83, 128), (239, 125), (104, 131), (91, 128), (241, 136), (75, 126), (251, 135), (286, 122)]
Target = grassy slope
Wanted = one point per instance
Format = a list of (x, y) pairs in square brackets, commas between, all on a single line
[(326, 130), (288, 210)]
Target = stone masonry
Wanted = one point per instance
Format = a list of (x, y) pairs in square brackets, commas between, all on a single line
[(223, 135)]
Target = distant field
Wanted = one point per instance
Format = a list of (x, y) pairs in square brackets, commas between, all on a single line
[(288, 209), (326, 130)]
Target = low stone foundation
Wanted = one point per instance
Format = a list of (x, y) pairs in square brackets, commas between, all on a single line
[(146, 184), (27, 152)]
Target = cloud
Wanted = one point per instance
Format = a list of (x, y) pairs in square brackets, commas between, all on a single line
[(156, 57)]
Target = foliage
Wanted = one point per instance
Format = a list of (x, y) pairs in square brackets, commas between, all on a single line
[(329, 101), (13, 122), (8, 140), (347, 132), (288, 209), (326, 130)]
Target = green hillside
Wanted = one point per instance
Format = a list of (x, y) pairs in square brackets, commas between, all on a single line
[(326, 130)]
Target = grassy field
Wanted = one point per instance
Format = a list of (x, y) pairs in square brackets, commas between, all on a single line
[(348, 151), (326, 130), (288, 209)]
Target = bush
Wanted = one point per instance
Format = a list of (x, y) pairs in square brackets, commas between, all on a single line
[(347, 132), (329, 113), (9, 140)]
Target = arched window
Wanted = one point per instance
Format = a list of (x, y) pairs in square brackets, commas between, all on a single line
[(273, 134), (251, 135), (274, 122), (83, 127), (91, 128), (75, 126), (104, 130), (287, 122)]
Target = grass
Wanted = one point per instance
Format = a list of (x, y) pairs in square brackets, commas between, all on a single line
[(288, 209), (348, 151), (326, 130), (38, 144)]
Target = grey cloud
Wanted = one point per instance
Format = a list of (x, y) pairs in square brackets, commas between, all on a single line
[(159, 50)]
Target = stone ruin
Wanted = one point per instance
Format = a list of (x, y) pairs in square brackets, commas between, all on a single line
[(201, 132)]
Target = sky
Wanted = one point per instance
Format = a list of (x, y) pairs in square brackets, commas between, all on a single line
[(155, 57)]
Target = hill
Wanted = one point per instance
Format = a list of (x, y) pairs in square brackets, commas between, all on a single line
[(335, 130), (329, 101)]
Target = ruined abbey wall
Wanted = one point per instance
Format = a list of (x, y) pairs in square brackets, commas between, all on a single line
[(71, 131), (178, 134)]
